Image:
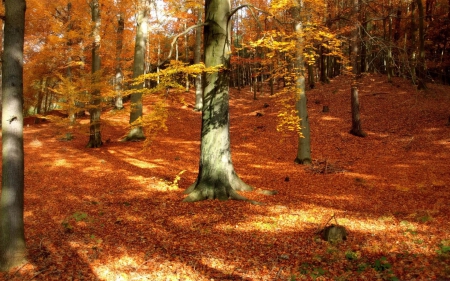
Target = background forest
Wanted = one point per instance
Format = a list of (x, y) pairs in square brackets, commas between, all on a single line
[(141, 80)]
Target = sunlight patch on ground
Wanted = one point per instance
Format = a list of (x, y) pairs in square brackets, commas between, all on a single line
[(36, 143), (162, 186), (61, 163), (218, 264), (330, 118), (445, 142), (401, 165), (27, 214), (132, 268), (359, 175), (140, 164)]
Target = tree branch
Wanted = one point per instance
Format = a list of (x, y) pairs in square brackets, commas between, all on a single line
[(175, 39)]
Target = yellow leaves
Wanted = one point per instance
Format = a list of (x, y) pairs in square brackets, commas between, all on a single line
[(289, 121)]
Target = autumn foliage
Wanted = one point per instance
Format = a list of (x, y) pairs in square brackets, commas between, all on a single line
[(115, 213)]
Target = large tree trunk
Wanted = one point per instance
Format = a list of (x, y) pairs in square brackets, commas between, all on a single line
[(137, 132), (197, 59), (12, 237), (216, 177), (95, 137)]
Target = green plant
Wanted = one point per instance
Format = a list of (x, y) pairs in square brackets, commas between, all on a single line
[(444, 247), (311, 271), (351, 256), (362, 266), (381, 264), (80, 216)]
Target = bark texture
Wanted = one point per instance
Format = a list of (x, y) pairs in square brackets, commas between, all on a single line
[(95, 137), (304, 141), (356, 120), (197, 59), (216, 178), (12, 237), (137, 133)]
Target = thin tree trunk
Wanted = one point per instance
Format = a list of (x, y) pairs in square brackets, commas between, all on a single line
[(137, 132), (95, 137), (12, 236), (421, 67), (304, 139), (197, 59), (118, 79), (356, 120)]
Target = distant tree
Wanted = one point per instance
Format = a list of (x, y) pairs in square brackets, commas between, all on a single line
[(216, 177), (12, 237), (354, 97)]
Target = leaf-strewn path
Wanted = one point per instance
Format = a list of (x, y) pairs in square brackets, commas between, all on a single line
[(114, 213)]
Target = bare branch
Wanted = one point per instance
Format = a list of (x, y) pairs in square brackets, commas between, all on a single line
[(175, 39)]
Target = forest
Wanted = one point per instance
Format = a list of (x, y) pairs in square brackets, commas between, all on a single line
[(225, 140)]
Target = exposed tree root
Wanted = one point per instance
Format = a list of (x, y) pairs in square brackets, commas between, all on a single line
[(135, 134), (208, 189)]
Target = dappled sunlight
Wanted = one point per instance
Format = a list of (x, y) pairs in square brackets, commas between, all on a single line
[(62, 163), (361, 176), (116, 212), (136, 268), (139, 163), (444, 142), (330, 118)]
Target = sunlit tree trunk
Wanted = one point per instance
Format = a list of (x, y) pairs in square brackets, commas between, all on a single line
[(137, 132), (95, 138), (197, 59), (118, 79), (216, 177), (304, 140), (72, 110), (12, 237)]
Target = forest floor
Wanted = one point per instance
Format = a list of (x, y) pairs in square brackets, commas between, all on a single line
[(115, 213)]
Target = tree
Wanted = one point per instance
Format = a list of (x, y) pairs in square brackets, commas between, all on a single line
[(304, 142), (197, 59), (216, 176), (95, 137), (118, 79), (356, 120), (137, 132), (12, 237)]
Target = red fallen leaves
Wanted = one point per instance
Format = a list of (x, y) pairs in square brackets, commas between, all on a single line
[(128, 223)]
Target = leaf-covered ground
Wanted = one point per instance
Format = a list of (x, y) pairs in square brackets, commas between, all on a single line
[(115, 213)]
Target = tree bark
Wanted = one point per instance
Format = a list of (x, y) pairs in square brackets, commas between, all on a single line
[(95, 138), (118, 79), (356, 120), (304, 140), (421, 68), (197, 59), (12, 237), (216, 178), (137, 132)]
